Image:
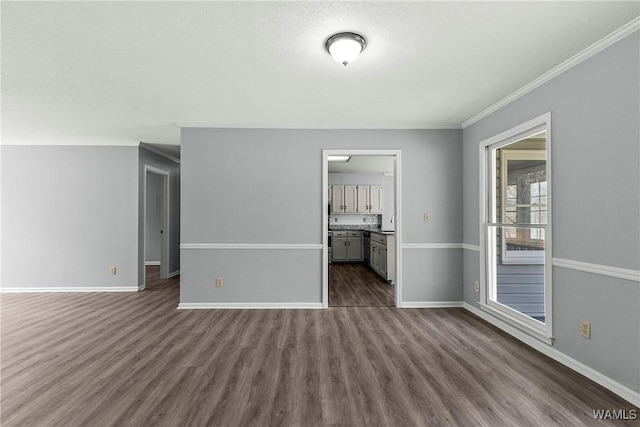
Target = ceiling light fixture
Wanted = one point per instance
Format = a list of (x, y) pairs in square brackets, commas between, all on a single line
[(345, 47), (338, 158)]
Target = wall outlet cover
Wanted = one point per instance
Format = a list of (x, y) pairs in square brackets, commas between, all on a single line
[(585, 329)]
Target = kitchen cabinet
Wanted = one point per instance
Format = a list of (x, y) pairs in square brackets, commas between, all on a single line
[(366, 246), (369, 199), (347, 246), (356, 199), (382, 256), (344, 198)]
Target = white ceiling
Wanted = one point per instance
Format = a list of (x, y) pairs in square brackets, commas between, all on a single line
[(124, 72)]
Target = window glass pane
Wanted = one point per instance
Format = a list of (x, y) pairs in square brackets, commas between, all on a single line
[(516, 243), (535, 190), (517, 285)]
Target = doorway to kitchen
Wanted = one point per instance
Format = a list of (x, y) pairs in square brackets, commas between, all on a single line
[(156, 224), (362, 223)]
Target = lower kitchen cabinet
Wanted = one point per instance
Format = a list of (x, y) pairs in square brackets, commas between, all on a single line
[(381, 255), (347, 246)]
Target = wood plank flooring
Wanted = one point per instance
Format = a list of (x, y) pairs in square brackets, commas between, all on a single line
[(354, 285), (132, 359)]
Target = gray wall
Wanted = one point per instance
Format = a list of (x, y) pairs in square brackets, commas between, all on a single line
[(69, 213), (596, 206), (357, 179), (153, 241), (237, 183), (149, 158)]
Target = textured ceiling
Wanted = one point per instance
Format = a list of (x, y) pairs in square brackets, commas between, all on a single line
[(123, 72)]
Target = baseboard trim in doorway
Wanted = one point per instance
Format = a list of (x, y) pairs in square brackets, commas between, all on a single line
[(248, 305), (432, 304), (70, 289), (152, 263), (174, 274), (621, 390)]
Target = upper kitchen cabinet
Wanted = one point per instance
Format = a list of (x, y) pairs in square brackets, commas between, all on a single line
[(356, 199), (350, 199), (344, 199), (370, 199)]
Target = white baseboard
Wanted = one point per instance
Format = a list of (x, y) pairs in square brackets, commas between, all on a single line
[(152, 263), (621, 390), (174, 274), (248, 305), (432, 246), (431, 304), (250, 246), (71, 289)]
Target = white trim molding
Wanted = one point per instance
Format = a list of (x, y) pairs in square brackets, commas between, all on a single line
[(249, 305), (587, 53), (331, 126), (487, 202), (251, 246), (432, 304), (165, 213), (173, 274), (397, 249), (621, 390), (474, 248), (603, 270), (70, 289), (432, 246), (152, 263)]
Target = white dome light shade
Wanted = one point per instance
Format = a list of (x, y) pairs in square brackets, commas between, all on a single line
[(345, 47)]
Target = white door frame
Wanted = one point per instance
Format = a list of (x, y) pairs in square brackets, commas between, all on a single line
[(398, 218), (164, 241)]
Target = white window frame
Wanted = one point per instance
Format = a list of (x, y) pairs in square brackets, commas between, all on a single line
[(488, 302), (517, 257)]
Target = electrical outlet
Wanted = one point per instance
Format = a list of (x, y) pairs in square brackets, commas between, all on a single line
[(426, 217), (112, 271), (476, 286), (219, 282), (585, 329)]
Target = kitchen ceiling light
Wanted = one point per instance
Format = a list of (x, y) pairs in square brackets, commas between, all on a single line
[(345, 47), (338, 158)]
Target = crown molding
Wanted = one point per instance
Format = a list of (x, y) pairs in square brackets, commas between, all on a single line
[(315, 126), (587, 53)]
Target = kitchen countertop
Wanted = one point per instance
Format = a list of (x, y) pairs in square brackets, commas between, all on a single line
[(360, 228)]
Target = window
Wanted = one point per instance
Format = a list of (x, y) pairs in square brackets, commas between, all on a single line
[(516, 228), (524, 192)]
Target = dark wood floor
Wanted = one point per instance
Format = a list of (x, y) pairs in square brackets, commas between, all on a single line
[(132, 359), (154, 283), (354, 285)]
